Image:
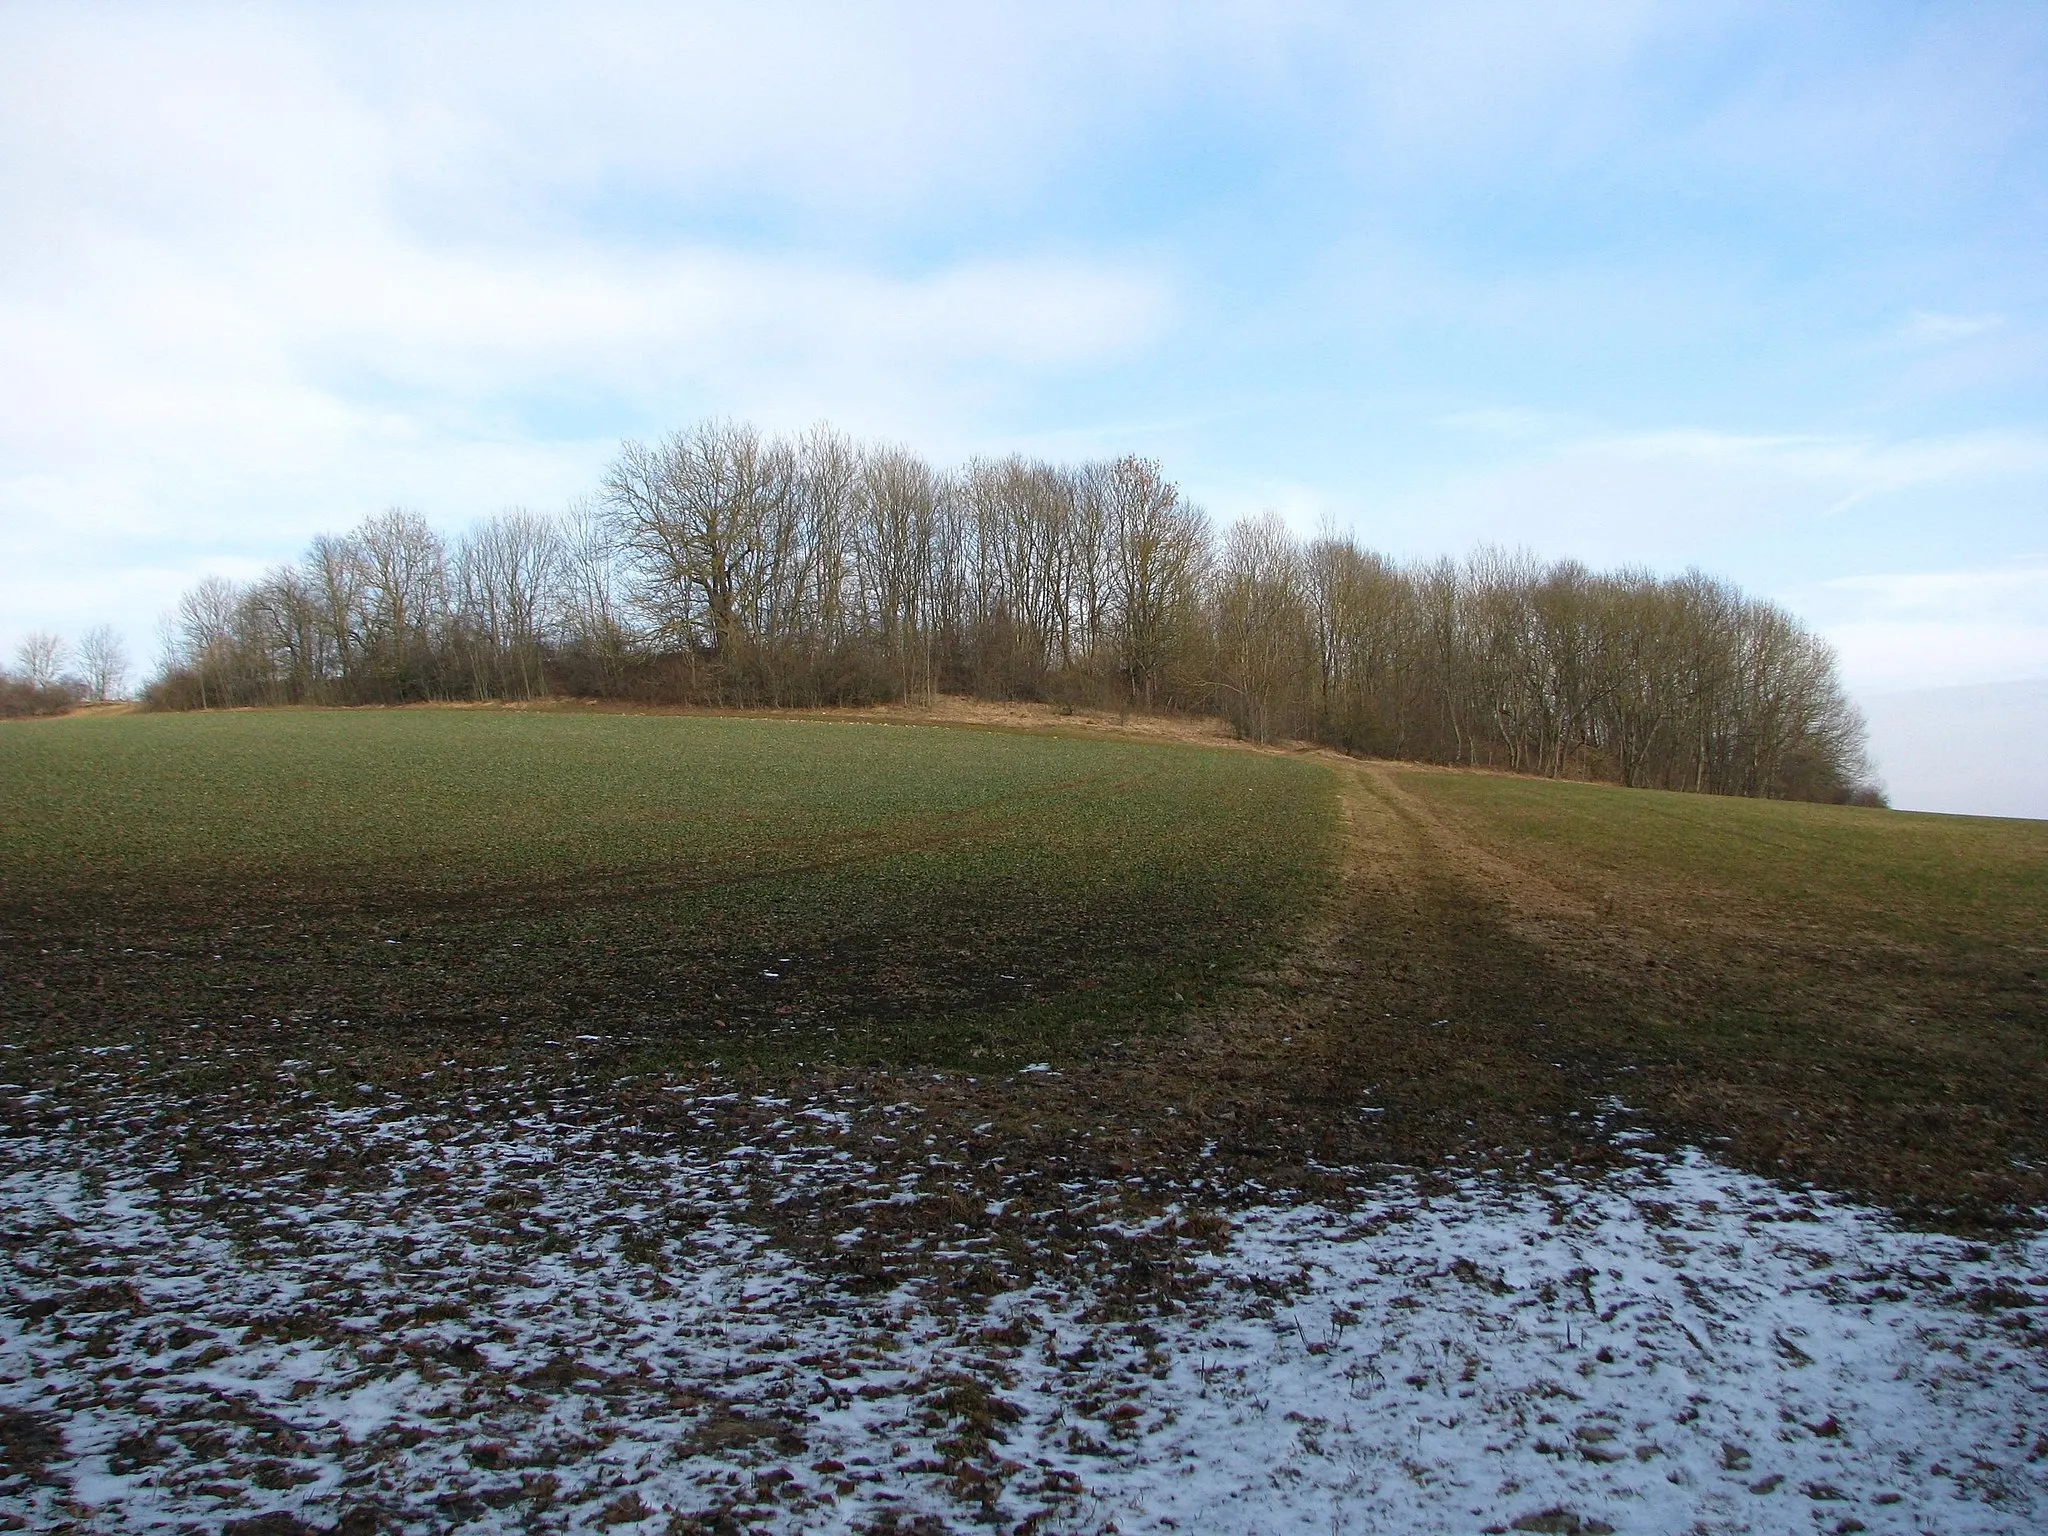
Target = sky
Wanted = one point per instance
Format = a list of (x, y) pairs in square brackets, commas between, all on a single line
[(1753, 287)]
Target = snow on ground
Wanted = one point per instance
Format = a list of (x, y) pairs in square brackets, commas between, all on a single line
[(514, 1325)]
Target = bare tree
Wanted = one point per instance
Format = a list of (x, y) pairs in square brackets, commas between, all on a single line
[(506, 573), (1156, 550), (205, 631), (339, 578), (1262, 630), (829, 468), (42, 657), (105, 660), (1366, 627), (283, 622), (404, 588), (1022, 517), (795, 602), (896, 548), (694, 516), (591, 604)]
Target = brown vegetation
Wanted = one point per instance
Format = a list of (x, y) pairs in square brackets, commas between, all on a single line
[(19, 697), (1823, 994)]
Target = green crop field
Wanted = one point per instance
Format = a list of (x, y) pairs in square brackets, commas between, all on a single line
[(1844, 994), (704, 886)]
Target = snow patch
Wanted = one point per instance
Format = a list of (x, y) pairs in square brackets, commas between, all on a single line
[(516, 1326)]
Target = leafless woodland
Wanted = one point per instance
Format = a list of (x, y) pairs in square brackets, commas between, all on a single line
[(726, 566)]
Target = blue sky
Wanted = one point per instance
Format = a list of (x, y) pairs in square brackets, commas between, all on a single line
[(1756, 287)]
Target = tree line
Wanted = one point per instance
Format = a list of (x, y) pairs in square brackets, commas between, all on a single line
[(50, 676), (726, 566)]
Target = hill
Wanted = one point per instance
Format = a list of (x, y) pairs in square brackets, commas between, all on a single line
[(570, 1120)]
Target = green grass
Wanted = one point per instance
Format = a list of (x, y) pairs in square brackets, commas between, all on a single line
[(921, 894), (1963, 883), (1854, 995), (276, 904)]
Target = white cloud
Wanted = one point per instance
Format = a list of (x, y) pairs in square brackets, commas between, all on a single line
[(268, 268), (1925, 328), (1949, 593), (298, 347), (1924, 629), (268, 271), (1782, 514), (337, 386), (1683, 495), (460, 113), (1886, 654), (1512, 424), (1829, 464)]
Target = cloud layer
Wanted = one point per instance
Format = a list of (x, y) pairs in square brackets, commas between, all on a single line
[(1723, 285)]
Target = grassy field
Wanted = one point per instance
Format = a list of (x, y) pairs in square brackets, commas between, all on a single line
[(701, 887), (1962, 885), (1847, 994), (1827, 992)]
